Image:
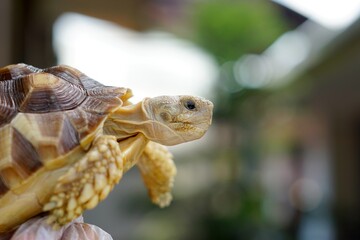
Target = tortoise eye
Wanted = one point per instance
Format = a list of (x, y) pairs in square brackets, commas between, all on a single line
[(190, 104)]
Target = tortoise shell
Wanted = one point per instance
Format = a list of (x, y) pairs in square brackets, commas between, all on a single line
[(46, 113)]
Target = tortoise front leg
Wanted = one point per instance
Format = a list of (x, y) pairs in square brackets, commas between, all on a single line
[(87, 182), (158, 171)]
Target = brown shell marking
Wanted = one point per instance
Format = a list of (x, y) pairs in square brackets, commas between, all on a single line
[(47, 93), (16, 71), (3, 187), (37, 93), (29, 141), (52, 134), (15, 149), (11, 92), (48, 113)]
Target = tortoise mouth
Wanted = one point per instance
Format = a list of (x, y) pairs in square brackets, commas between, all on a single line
[(189, 131)]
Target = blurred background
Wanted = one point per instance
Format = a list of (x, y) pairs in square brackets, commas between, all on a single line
[(282, 159)]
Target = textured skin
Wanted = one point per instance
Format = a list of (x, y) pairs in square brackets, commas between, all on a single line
[(87, 182), (67, 140), (158, 171)]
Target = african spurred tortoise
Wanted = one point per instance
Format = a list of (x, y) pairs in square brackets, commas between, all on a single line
[(66, 140)]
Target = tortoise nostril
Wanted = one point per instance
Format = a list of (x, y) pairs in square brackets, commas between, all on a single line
[(165, 116)]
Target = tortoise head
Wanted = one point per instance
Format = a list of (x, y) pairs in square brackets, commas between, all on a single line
[(168, 120), (177, 119)]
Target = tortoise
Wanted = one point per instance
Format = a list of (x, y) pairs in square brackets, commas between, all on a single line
[(66, 140)]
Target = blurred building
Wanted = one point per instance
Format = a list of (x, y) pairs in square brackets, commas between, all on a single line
[(331, 93), (27, 25)]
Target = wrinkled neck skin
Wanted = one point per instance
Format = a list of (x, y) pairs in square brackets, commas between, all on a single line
[(128, 121)]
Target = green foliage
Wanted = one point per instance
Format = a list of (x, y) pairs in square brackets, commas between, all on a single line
[(228, 29)]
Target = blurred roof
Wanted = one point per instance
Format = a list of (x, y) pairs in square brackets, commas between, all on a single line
[(335, 14), (295, 53), (341, 43)]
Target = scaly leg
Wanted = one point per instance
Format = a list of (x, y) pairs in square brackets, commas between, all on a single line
[(87, 182), (158, 171)]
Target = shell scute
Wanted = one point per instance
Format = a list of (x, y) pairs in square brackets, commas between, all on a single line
[(12, 94), (19, 158), (52, 134), (48, 93), (66, 73), (89, 83), (109, 92), (16, 70), (85, 122), (100, 105)]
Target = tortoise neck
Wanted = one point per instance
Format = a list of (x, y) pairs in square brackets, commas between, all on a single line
[(132, 148), (127, 121)]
